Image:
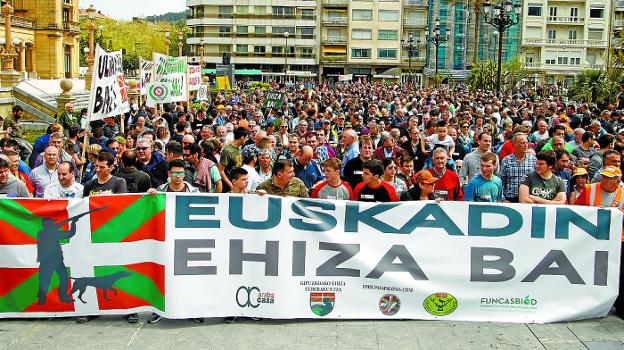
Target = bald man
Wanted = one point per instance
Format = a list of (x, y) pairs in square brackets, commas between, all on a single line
[(306, 168)]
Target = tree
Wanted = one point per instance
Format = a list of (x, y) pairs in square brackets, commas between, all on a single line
[(477, 6), (482, 76)]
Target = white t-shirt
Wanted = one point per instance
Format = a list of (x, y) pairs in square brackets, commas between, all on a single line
[(56, 191), (447, 142), (253, 178)]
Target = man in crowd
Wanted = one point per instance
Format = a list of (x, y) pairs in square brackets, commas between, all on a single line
[(515, 167), (471, 165), (231, 157), (46, 173), (350, 138), (66, 187), (352, 172), (205, 173), (372, 188), (542, 186), (104, 182), (283, 183), (151, 162), (307, 169), (10, 186), (485, 187), (333, 187), (137, 181), (447, 187)]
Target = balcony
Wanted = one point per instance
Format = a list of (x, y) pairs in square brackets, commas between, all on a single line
[(565, 42), (414, 22), (267, 16), (72, 27), (618, 23), (566, 20), (415, 3), (619, 5), (334, 59), (22, 22), (414, 61), (334, 40), (335, 3), (335, 21), (563, 67)]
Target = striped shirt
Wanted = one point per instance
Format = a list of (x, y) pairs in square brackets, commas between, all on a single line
[(512, 172)]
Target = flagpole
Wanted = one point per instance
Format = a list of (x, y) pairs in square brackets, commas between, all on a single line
[(89, 111)]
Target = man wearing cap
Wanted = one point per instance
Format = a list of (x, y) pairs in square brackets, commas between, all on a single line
[(610, 158), (607, 194)]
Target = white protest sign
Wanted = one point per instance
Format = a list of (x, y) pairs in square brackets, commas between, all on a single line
[(108, 97), (172, 70), (147, 74), (194, 77), (203, 93), (158, 93)]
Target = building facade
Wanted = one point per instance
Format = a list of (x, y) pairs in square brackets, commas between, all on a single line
[(562, 37), (47, 35), (267, 39)]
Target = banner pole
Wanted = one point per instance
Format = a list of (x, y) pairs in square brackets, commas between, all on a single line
[(89, 113)]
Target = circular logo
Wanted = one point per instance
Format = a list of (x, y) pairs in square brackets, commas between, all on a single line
[(158, 92), (440, 304), (389, 304)]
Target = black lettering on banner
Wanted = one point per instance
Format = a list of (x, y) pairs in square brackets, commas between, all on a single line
[(249, 302)]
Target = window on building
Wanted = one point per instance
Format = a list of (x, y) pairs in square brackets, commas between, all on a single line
[(595, 34), (535, 10), (552, 34), (361, 34), (260, 10), (242, 48), (552, 13), (562, 60), (574, 12), (282, 30), (225, 48), (307, 32), (260, 50), (225, 31), (225, 11), (572, 35), (260, 30), (307, 14), (575, 61), (550, 61), (277, 50), (361, 53), (362, 15), (388, 15), (387, 54), (596, 12), (388, 34), (307, 52), (242, 10), (283, 11), (242, 29)]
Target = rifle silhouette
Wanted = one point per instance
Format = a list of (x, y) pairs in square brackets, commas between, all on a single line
[(76, 217)]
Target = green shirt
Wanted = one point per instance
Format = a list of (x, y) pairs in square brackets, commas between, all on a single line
[(231, 158), (295, 188)]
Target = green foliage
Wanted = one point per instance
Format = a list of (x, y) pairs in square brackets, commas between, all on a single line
[(136, 38), (261, 85), (483, 75), (596, 85), (171, 17)]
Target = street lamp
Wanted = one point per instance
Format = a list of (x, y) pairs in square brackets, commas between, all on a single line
[(437, 39), (91, 29), (410, 53), (180, 37), (495, 39), (503, 15), (167, 40), (286, 35)]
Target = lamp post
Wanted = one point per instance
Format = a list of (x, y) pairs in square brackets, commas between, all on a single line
[(437, 39), (495, 34), (91, 50), (9, 53), (410, 53), (167, 41), (501, 16), (180, 37), (286, 35)]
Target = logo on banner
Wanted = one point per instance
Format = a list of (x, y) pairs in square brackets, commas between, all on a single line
[(253, 297), (389, 304), (159, 92), (514, 303), (322, 303), (440, 304)]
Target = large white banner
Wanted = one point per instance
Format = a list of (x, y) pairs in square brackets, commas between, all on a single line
[(207, 255), (194, 77), (172, 70), (108, 96), (146, 73)]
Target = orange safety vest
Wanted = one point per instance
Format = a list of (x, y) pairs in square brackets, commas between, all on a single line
[(595, 199)]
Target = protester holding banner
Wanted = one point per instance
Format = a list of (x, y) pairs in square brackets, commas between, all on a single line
[(283, 183)]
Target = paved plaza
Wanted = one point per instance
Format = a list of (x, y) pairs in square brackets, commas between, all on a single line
[(114, 333)]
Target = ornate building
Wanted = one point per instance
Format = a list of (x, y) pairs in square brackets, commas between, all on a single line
[(45, 34)]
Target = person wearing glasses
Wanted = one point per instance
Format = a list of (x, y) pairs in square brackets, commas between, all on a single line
[(153, 163)]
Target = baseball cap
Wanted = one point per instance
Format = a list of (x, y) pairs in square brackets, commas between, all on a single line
[(326, 121), (424, 176), (250, 151), (580, 172), (611, 171)]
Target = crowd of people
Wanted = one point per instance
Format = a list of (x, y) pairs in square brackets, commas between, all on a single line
[(371, 142)]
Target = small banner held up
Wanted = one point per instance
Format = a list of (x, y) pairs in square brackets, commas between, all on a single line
[(273, 100), (202, 93), (108, 97), (147, 74), (158, 93), (194, 77), (172, 70)]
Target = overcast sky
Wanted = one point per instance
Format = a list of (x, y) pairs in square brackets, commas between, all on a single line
[(126, 9)]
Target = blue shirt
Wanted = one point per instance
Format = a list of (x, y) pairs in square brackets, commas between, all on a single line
[(352, 151), (479, 189)]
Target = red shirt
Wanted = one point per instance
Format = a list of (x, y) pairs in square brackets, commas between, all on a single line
[(447, 187), (505, 150), (384, 192)]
